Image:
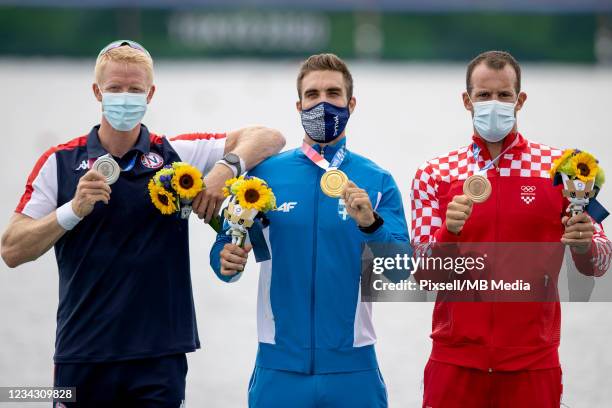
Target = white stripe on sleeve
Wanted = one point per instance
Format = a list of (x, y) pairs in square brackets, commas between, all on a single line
[(44, 195)]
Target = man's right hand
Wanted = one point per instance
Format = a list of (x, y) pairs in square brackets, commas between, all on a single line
[(92, 188), (233, 259), (457, 213)]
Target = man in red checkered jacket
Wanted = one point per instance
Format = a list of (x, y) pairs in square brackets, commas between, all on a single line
[(498, 354)]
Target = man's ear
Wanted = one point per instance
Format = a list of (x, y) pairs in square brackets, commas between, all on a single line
[(467, 103), (298, 106), (520, 101), (151, 92), (97, 92), (352, 103)]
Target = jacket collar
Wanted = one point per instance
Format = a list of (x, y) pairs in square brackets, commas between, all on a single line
[(520, 145), (330, 150), (95, 148)]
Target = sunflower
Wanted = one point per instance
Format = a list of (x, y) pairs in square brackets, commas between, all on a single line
[(584, 166), (187, 181), (254, 193), (557, 163), (162, 199)]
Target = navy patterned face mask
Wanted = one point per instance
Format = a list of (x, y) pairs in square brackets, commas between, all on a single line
[(324, 122)]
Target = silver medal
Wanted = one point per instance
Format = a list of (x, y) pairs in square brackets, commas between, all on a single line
[(108, 167)]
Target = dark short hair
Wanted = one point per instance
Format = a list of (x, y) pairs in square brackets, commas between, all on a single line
[(495, 60), (325, 62)]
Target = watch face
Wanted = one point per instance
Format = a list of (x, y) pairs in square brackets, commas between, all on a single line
[(232, 158)]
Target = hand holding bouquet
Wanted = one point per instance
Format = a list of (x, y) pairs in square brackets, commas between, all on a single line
[(582, 178), (250, 198)]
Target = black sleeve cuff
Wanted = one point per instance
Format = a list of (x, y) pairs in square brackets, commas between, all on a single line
[(378, 222)]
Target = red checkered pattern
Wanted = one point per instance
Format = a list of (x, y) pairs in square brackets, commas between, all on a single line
[(526, 159), (534, 160)]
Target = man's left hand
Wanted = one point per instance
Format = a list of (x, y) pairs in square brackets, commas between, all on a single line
[(579, 232), (358, 205), (208, 202)]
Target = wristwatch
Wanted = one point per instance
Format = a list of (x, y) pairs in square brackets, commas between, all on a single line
[(234, 162)]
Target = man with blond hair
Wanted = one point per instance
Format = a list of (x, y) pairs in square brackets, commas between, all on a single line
[(126, 316), (316, 336)]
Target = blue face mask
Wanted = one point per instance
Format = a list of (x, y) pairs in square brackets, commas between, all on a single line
[(493, 120), (324, 122), (124, 110)]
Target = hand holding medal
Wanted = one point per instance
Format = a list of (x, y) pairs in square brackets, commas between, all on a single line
[(457, 213), (476, 190), (91, 189), (336, 184), (94, 186), (358, 204)]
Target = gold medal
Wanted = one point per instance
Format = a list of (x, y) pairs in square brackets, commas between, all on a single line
[(108, 167), (477, 188), (333, 182)]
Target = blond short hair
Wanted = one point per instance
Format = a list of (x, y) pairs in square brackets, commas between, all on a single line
[(127, 55)]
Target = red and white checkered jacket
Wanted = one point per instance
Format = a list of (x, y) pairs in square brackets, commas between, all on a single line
[(524, 206)]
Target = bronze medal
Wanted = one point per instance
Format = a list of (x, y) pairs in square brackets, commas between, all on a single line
[(477, 188)]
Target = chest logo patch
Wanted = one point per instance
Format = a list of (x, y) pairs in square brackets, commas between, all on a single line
[(528, 194), (287, 206), (152, 160), (82, 166)]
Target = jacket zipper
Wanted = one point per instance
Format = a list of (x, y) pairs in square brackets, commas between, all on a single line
[(497, 210), (314, 270), (491, 304)]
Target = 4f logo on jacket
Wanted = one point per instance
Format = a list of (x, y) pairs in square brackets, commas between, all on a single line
[(286, 207), (528, 194)]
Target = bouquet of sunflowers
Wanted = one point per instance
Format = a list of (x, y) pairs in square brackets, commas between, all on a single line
[(582, 178), (250, 198), (173, 188)]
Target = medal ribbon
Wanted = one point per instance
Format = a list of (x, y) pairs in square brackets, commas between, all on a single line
[(321, 161), (476, 150)]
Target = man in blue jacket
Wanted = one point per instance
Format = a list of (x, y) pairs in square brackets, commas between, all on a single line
[(316, 338)]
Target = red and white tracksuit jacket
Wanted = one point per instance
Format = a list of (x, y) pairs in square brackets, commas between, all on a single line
[(523, 207)]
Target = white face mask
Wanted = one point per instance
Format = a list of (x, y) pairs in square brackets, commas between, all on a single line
[(125, 110), (493, 120)]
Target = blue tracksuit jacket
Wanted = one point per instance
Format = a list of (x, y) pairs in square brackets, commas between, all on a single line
[(310, 317)]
